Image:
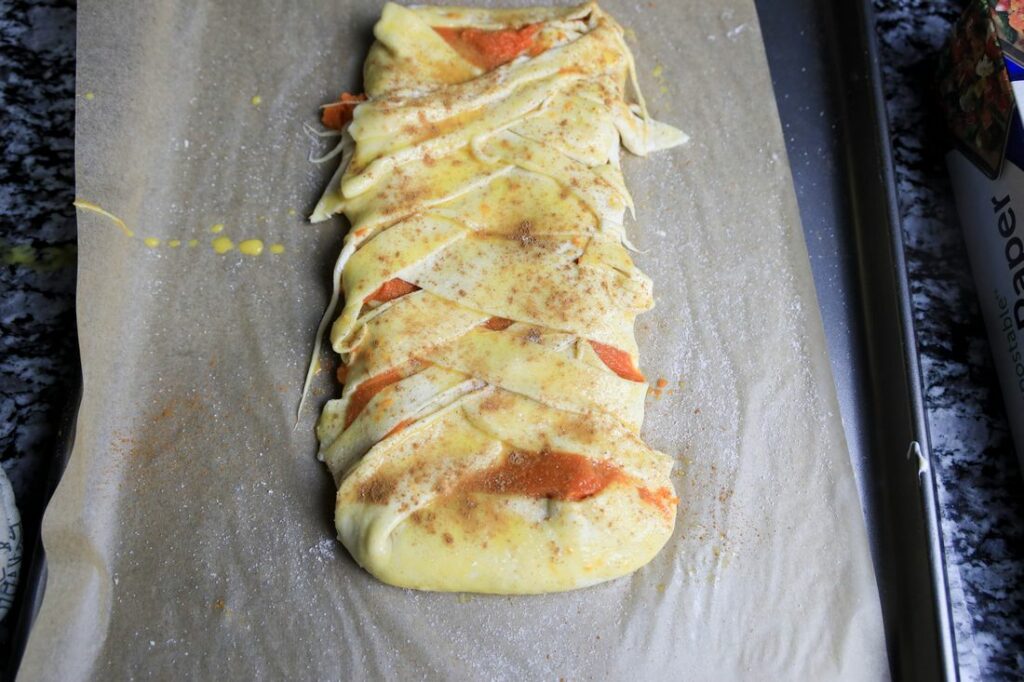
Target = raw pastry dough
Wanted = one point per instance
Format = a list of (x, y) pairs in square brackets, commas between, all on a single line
[(487, 437)]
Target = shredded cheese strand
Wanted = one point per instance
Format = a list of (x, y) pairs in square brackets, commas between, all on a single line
[(332, 305), (634, 81)]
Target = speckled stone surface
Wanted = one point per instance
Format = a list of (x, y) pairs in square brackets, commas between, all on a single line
[(981, 492), (38, 356), (37, 64)]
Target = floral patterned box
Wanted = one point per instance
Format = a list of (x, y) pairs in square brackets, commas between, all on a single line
[(981, 81)]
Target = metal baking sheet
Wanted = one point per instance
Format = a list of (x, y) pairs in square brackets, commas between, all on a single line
[(824, 65), (835, 132)]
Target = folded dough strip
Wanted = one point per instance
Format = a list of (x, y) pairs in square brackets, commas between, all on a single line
[(591, 290), (405, 118), (412, 483)]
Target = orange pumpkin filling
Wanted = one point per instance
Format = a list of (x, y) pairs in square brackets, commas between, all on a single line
[(490, 49), (617, 361), (391, 289), (552, 475)]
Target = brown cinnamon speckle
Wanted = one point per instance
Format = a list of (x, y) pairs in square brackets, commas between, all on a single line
[(377, 490)]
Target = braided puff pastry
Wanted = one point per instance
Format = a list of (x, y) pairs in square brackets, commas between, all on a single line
[(487, 438)]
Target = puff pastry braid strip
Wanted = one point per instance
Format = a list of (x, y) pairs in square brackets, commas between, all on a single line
[(487, 437)]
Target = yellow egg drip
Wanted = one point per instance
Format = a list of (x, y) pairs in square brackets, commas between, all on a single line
[(89, 206), (251, 247), (46, 259), (222, 245)]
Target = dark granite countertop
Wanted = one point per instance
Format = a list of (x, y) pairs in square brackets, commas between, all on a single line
[(38, 348), (980, 486), (981, 494)]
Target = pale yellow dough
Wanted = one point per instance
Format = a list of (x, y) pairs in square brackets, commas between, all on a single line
[(498, 194)]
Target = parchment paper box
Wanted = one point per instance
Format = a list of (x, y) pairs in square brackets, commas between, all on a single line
[(981, 80)]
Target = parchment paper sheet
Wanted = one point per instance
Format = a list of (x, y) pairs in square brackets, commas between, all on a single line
[(191, 536)]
